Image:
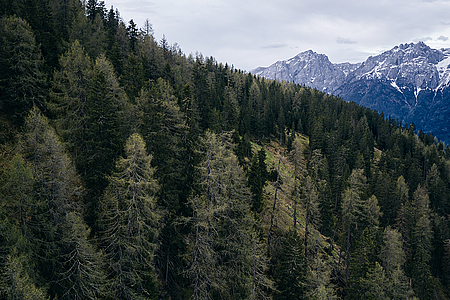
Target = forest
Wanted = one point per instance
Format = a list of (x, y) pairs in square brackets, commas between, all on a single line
[(130, 170)]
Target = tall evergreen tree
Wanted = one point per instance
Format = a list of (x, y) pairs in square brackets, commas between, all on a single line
[(393, 259), (421, 235), (290, 280), (22, 81), (223, 262), (16, 283), (297, 160), (91, 107), (312, 214), (352, 208), (129, 220), (68, 263)]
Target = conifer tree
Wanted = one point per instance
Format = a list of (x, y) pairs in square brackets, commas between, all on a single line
[(16, 283), (318, 167), (90, 33), (393, 259), (22, 80), (91, 108), (290, 280), (171, 141), (257, 177), (63, 255), (18, 273), (223, 261), (297, 160), (352, 208), (130, 224), (319, 280), (421, 235), (17, 193)]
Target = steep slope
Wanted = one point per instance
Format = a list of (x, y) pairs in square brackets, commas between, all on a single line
[(409, 82)]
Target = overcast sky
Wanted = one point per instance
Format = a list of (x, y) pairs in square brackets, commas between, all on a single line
[(253, 33)]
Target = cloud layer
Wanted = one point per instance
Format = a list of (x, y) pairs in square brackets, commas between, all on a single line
[(255, 33)]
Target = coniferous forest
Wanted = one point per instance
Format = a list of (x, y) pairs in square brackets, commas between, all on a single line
[(130, 170)]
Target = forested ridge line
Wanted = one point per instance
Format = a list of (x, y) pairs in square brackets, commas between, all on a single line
[(130, 170)]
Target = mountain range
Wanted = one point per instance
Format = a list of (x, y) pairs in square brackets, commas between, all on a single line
[(410, 82)]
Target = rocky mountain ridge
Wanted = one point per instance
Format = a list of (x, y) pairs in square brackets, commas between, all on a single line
[(410, 82)]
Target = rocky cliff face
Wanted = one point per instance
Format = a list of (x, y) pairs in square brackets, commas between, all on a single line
[(308, 68), (410, 82)]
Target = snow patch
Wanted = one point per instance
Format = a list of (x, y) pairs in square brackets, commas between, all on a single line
[(416, 94), (394, 84)]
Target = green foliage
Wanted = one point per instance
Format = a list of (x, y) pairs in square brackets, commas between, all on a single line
[(352, 207), (257, 177), (90, 106), (22, 81), (107, 81), (63, 254), (129, 222), (225, 256), (290, 274), (16, 283), (421, 243)]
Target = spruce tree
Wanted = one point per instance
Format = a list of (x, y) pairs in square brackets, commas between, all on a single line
[(91, 107), (22, 81), (290, 279)]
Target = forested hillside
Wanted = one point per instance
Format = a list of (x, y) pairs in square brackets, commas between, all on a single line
[(130, 170)]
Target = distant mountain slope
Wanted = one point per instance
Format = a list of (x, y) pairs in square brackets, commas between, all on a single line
[(410, 82)]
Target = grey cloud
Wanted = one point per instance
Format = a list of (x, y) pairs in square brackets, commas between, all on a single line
[(442, 38), (425, 39), (341, 40), (274, 46)]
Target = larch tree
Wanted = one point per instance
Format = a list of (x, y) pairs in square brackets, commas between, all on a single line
[(392, 259), (18, 274), (352, 208), (73, 274), (16, 282), (421, 235), (224, 252), (129, 222)]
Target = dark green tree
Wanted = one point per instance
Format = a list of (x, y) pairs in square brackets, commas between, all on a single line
[(63, 254), (290, 279), (91, 107), (22, 81)]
